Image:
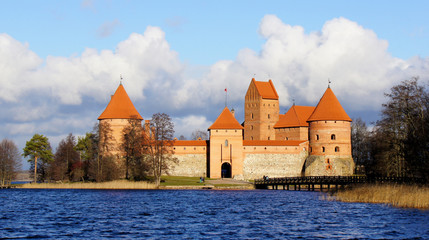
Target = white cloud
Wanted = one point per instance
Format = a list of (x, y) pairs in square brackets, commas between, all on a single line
[(59, 95), (353, 58)]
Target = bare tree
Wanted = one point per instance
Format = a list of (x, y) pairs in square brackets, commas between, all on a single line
[(105, 166), (66, 161), (158, 145), (400, 145), (360, 144), (10, 161), (132, 146), (199, 134)]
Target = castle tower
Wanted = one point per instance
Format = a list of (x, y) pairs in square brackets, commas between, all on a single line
[(330, 139), (293, 125), (226, 147), (261, 111), (116, 116)]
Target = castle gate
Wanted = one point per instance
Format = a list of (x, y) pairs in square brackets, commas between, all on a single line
[(226, 170)]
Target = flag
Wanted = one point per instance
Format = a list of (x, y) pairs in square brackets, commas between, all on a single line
[(226, 90)]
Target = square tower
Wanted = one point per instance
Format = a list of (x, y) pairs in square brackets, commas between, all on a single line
[(261, 111)]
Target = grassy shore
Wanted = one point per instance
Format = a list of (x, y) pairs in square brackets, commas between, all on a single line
[(119, 184), (394, 195)]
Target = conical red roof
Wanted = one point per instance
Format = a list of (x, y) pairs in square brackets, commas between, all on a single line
[(226, 121), (296, 117), (329, 109), (120, 107)]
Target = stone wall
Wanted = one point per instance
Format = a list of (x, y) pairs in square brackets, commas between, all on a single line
[(273, 165), (190, 165), (329, 166)]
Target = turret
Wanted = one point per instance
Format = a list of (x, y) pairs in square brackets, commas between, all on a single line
[(330, 138), (112, 122)]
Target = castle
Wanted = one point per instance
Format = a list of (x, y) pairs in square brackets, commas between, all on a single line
[(305, 141)]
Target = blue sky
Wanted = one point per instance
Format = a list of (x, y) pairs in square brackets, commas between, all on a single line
[(61, 60)]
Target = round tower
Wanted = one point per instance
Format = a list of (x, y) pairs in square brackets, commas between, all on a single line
[(117, 115), (329, 139)]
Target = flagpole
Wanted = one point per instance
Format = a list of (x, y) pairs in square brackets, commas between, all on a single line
[(226, 97)]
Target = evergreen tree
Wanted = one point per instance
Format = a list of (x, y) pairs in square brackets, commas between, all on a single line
[(38, 148)]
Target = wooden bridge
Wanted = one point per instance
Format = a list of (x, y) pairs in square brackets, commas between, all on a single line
[(322, 183)]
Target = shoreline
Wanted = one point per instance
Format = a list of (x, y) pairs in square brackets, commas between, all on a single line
[(130, 185)]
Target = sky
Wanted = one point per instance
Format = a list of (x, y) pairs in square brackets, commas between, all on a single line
[(60, 61)]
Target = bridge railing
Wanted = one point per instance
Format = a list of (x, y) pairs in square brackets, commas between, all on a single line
[(341, 180)]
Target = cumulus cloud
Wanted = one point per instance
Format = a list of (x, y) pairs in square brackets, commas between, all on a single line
[(59, 95), (353, 58)]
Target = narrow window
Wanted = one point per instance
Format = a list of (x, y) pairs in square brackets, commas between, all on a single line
[(251, 127), (251, 115), (268, 116), (251, 137), (323, 149), (337, 149), (268, 138), (226, 143), (333, 137), (268, 127), (317, 137)]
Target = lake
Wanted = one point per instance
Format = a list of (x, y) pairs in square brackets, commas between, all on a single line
[(199, 214)]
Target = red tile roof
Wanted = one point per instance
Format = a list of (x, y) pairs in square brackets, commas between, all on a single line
[(226, 121), (190, 143), (271, 143), (329, 109), (296, 117), (266, 89), (120, 107)]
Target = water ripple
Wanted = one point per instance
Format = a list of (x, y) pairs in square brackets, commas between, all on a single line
[(172, 214)]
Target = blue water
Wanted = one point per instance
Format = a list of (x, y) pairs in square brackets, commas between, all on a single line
[(199, 214)]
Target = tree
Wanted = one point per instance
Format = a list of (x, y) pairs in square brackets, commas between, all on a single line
[(199, 134), (105, 166), (360, 144), (38, 148), (88, 152), (10, 161), (158, 145), (181, 137), (400, 145), (132, 146), (66, 164)]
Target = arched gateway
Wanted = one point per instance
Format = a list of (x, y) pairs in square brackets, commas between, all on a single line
[(226, 170)]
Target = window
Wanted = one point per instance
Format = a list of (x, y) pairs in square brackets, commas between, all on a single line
[(337, 149), (268, 127), (226, 143), (317, 137), (268, 138), (268, 116), (251, 127), (323, 149), (333, 137), (251, 115), (251, 137)]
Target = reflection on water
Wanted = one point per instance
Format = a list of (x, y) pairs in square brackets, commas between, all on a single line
[(172, 214)]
